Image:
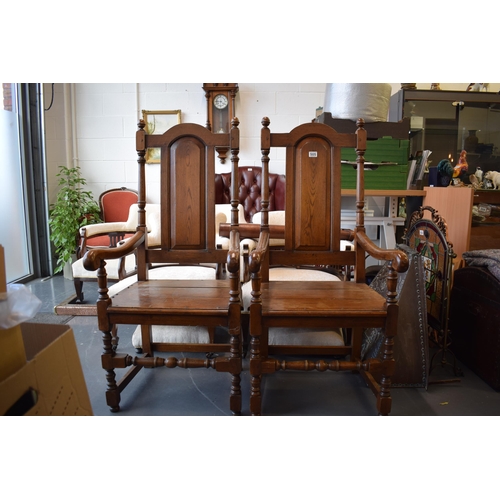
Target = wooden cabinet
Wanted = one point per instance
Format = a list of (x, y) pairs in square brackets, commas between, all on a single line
[(485, 230), (454, 204), (465, 230), (447, 122)]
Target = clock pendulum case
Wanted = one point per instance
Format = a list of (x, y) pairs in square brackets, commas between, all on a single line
[(220, 110)]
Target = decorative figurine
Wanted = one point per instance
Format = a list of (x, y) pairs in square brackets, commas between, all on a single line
[(479, 174), (477, 87), (461, 167), (445, 172), (494, 177), (435, 86)]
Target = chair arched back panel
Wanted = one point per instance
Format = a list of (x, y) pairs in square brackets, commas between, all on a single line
[(184, 208), (313, 173), (187, 192), (311, 223)]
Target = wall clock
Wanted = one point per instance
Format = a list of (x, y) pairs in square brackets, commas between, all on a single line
[(220, 110)]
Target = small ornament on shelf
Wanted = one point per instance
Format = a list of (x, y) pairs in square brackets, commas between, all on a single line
[(479, 174), (462, 165), (477, 87), (435, 86)]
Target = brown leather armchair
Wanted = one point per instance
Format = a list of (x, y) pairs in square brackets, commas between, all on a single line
[(249, 191)]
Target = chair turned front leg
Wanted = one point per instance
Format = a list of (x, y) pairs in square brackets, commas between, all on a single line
[(255, 396), (78, 290), (235, 397), (112, 391)]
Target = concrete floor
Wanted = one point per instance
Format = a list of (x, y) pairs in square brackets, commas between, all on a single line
[(206, 393)]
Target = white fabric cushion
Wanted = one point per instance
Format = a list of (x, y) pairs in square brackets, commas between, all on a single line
[(297, 336), (223, 215), (276, 218), (111, 268), (173, 334), (170, 333), (154, 226), (305, 336)]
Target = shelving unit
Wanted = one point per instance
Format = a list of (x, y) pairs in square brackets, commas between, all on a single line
[(442, 122)]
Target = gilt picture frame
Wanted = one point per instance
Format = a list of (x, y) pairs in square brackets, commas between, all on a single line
[(158, 122)]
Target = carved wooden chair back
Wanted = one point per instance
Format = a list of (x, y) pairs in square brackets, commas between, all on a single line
[(187, 214), (313, 231)]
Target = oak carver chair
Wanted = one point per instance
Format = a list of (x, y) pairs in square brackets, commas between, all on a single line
[(186, 238), (312, 238)]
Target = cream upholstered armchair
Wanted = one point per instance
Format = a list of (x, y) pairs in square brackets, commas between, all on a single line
[(115, 207), (117, 269)]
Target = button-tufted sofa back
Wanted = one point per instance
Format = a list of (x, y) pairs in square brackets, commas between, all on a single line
[(249, 191)]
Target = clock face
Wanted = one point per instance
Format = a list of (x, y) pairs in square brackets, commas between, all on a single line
[(220, 101)]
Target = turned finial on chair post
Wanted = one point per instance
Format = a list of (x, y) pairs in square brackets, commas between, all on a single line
[(266, 146), (234, 146), (141, 161)]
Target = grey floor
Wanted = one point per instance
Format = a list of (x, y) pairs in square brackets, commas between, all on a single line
[(203, 392)]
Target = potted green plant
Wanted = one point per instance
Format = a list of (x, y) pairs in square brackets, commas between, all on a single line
[(74, 207)]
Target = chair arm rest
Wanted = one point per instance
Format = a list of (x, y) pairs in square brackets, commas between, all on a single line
[(105, 228), (233, 255), (252, 230), (398, 258), (115, 230), (347, 234), (93, 258), (257, 255)]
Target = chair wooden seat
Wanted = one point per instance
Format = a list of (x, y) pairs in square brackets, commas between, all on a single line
[(183, 297), (352, 304)]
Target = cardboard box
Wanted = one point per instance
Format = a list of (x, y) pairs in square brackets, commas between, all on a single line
[(12, 355), (51, 382)]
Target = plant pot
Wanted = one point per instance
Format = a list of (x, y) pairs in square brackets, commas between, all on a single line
[(68, 268)]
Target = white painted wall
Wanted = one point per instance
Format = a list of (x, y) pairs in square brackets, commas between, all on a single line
[(106, 116)]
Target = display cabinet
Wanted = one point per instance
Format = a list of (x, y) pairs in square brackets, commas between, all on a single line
[(446, 122), (485, 230)]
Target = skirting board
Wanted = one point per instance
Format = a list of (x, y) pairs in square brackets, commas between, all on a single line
[(73, 308)]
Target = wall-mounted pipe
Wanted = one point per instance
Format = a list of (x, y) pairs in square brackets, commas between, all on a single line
[(68, 123), (73, 125)]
